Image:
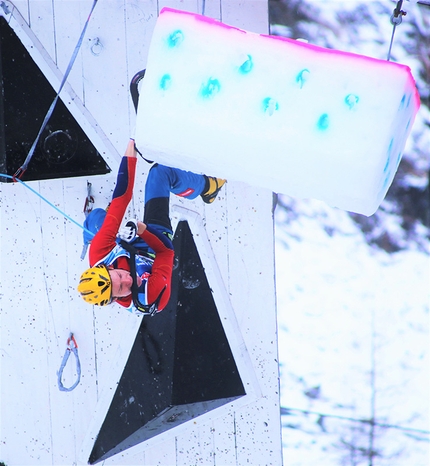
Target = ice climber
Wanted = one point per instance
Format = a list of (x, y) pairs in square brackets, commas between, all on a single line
[(109, 279)]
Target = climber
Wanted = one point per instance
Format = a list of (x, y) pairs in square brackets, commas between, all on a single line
[(108, 279)]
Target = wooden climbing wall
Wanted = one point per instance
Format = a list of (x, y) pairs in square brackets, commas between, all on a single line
[(41, 262)]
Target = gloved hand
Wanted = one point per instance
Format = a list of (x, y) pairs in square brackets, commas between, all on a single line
[(129, 231)]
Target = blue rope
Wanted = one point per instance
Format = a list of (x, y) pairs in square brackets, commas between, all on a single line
[(72, 347), (46, 200), (24, 166)]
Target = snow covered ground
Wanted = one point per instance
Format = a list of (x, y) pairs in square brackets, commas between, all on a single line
[(353, 341), (354, 320)]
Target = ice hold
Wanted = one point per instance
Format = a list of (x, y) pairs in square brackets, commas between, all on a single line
[(175, 38), (322, 120), (210, 88), (302, 77), (270, 106), (351, 101), (247, 65), (165, 82)]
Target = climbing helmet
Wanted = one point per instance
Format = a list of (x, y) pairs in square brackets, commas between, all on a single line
[(95, 286)]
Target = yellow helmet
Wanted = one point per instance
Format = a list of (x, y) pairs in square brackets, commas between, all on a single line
[(95, 285)]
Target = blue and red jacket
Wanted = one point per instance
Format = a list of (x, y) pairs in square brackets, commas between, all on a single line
[(157, 273)]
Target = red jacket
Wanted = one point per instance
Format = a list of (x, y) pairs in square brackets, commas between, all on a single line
[(105, 240)]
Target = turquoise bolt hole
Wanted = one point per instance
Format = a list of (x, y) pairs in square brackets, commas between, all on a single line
[(210, 88), (352, 100), (176, 38), (270, 106), (302, 77), (323, 122), (165, 82), (247, 65)]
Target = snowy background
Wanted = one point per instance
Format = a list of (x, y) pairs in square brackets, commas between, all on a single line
[(353, 292)]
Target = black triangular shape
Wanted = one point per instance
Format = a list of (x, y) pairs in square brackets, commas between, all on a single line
[(63, 149), (180, 366)]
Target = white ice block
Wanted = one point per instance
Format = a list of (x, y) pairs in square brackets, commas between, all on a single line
[(273, 112)]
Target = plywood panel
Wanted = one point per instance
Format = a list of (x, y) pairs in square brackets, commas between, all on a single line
[(140, 20), (196, 446), (210, 8), (79, 317), (42, 265), (105, 71), (249, 269), (23, 326), (22, 6), (57, 316), (42, 24), (252, 15), (185, 5), (70, 17)]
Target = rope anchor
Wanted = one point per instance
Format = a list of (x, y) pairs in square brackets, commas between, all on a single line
[(396, 19), (72, 347)]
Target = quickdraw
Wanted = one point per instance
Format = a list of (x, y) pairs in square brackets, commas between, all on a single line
[(89, 201), (88, 207), (72, 347)]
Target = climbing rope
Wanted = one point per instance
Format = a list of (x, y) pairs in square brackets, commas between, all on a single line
[(72, 347), (48, 115), (50, 203)]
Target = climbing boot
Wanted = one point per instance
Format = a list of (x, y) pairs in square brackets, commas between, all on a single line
[(212, 188)]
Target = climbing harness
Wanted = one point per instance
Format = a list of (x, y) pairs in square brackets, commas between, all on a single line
[(18, 174), (72, 347), (145, 309)]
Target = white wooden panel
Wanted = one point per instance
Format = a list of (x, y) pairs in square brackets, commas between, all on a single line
[(57, 316), (210, 8), (105, 73), (22, 6), (250, 253), (185, 5), (67, 33), (162, 453), (80, 316), (34, 329), (42, 24), (224, 435), (196, 447), (23, 325), (140, 21), (251, 15)]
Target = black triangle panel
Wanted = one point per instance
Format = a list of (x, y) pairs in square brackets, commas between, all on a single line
[(63, 149), (180, 366)]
